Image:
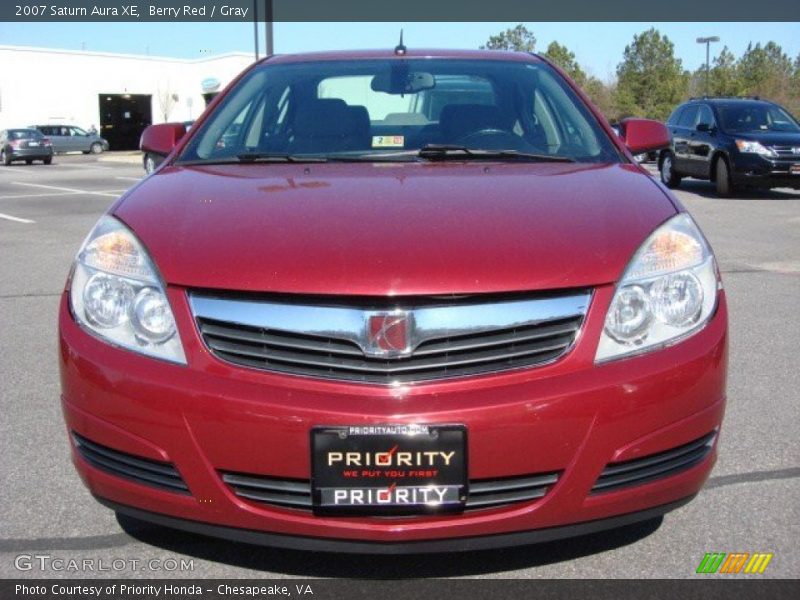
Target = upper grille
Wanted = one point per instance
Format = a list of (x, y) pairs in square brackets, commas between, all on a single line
[(786, 152), (449, 341), (655, 466), (485, 493), (154, 473)]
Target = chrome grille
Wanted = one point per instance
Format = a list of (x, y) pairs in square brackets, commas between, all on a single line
[(331, 341), (484, 493), (787, 152)]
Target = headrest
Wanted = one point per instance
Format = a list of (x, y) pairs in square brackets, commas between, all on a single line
[(325, 117)]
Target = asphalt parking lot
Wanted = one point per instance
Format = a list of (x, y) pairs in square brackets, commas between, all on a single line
[(750, 504)]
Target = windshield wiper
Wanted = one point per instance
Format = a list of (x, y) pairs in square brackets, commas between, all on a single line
[(250, 157), (445, 151)]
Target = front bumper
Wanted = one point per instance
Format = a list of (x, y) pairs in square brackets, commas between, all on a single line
[(758, 171), (570, 417)]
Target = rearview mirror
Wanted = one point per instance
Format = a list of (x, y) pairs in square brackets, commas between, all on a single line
[(644, 135), (161, 139), (401, 81)]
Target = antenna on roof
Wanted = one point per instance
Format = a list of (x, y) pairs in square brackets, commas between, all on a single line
[(400, 49)]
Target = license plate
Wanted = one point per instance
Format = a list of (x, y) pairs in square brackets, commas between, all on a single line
[(794, 169), (33, 144), (379, 469)]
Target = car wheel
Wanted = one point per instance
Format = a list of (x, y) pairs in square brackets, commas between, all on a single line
[(149, 163), (725, 186), (4, 158), (48, 160), (28, 161), (97, 148), (668, 175)]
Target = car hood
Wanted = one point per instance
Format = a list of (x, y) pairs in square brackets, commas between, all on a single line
[(394, 228)]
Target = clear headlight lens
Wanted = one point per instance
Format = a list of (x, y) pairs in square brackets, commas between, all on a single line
[(668, 291), (749, 147), (116, 293)]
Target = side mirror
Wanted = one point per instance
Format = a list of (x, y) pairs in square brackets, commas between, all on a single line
[(644, 135), (705, 127), (161, 139)]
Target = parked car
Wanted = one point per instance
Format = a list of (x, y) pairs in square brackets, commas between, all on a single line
[(733, 142), (24, 144), (645, 157), (488, 327), (151, 160), (68, 138)]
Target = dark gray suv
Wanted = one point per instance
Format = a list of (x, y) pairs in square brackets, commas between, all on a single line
[(68, 138), (733, 142)]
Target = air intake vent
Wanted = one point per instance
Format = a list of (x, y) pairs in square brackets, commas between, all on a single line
[(156, 474), (486, 493), (655, 466)]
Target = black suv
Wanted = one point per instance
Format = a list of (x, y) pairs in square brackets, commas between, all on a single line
[(734, 142)]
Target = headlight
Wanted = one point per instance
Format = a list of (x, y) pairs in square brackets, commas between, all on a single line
[(748, 147), (117, 294), (668, 291)]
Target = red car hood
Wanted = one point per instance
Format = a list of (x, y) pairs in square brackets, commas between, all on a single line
[(394, 228)]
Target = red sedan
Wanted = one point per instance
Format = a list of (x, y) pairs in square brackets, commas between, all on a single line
[(396, 302)]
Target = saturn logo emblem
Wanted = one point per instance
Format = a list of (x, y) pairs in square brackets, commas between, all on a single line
[(388, 334)]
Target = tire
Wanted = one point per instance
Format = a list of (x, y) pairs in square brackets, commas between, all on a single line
[(96, 148), (667, 171), (4, 158), (48, 160), (149, 163), (725, 187), (28, 161)]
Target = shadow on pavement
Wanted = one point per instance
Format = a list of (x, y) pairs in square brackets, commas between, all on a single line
[(319, 564), (706, 189)]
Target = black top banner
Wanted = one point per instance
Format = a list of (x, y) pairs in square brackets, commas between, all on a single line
[(398, 10)]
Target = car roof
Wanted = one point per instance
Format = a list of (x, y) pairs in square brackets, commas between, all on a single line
[(732, 100), (501, 55)]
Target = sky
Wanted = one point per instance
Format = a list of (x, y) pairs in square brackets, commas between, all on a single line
[(597, 46)]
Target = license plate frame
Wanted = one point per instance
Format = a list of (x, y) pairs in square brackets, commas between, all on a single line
[(794, 169), (413, 469)]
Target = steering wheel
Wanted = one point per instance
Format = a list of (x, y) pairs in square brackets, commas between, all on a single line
[(491, 137)]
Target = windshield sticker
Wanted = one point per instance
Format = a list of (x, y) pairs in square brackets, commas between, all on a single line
[(388, 141)]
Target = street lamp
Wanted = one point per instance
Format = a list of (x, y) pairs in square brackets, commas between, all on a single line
[(707, 41)]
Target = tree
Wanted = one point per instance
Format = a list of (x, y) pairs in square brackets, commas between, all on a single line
[(724, 79), (565, 59), (603, 97), (766, 71), (166, 100), (650, 79), (518, 38)]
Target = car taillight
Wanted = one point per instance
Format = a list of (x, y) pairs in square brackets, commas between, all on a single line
[(47, 142), (14, 143)]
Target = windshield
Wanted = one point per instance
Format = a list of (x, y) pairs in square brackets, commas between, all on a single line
[(23, 134), (756, 117), (391, 109)]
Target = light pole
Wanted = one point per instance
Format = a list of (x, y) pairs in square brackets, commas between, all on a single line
[(707, 41), (268, 45), (255, 27)]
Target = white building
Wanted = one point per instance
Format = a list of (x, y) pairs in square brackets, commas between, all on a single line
[(118, 93)]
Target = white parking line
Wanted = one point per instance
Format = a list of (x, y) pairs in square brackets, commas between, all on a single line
[(18, 196), (17, 219), (129, 178), (64, 189)]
